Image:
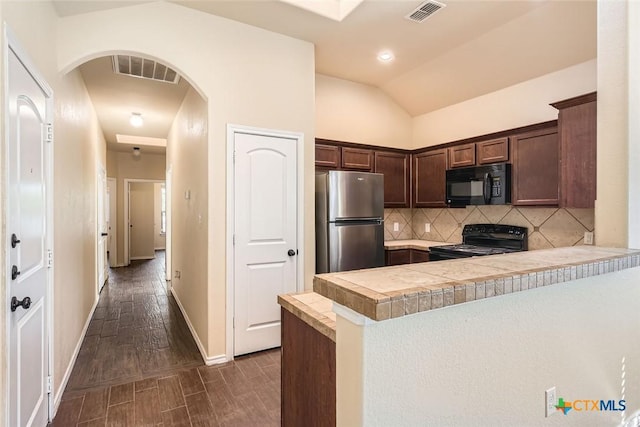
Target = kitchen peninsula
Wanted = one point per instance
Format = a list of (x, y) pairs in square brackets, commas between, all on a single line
[(373, 324)]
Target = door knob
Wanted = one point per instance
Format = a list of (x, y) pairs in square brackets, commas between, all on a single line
[(14, 272), (291, 252), (25, 303), (14, 240)]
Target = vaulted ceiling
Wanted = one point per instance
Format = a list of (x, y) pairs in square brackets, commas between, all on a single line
[(466, 49)]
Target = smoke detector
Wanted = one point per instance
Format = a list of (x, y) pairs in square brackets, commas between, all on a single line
[(144, 68), (425, 10)]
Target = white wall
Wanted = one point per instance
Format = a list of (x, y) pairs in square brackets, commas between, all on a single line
[(187, 153), (78, 148), (355, 112), (518, 105), (617, 209), (489, 362), (633, 52), (248, 76)]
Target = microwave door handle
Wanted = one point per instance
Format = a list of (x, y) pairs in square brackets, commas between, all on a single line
[(486, 189)]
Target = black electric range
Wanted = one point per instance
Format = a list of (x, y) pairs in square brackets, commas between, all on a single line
[(483, 239)]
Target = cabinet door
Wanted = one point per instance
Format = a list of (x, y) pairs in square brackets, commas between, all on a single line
[(396, 168), (462, 156), (327, 156), (577, 125), (397, 257), (493, 151), (535, 168), (419, 256), (429, 178), (357, 159)]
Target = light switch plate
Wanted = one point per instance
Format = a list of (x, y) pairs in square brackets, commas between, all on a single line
[(550, 402), (396, 226), (427, 227)]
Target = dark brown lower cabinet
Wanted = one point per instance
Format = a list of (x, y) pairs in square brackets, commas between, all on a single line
[(308, 375), (419, 256), (405, 256), (397, 257)]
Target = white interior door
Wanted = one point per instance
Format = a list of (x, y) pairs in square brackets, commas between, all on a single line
[(103, 230), (27, 267), (141, 241), (265, 228), (111, 223)]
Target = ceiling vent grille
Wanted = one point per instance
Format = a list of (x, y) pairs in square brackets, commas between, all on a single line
[(144, 69), (425, 10)]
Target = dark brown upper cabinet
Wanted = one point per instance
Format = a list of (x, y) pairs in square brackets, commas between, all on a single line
[(429, 171), (578, 133), (493, 151), (357, 159), (461, 156), (396, 168), (535, 168), (327, 156)]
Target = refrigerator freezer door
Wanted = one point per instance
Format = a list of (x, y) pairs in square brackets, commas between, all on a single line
[(355, 195), (355, 245)]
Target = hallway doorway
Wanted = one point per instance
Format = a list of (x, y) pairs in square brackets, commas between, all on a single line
[(139, 365), (136, 331)]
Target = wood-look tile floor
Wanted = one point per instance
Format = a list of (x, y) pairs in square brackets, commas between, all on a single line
[(139, 366)]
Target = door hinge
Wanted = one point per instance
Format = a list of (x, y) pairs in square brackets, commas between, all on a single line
[(234, 240), (48, 132), (49, 384), (49, 258)]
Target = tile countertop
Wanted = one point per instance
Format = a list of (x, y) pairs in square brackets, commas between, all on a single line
[(313, 309), (389, 292), (422, 245)]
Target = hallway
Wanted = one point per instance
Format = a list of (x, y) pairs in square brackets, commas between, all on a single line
[(139, 365)]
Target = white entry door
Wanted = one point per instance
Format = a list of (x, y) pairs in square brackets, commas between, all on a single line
[(103, 228), (27, 227), (265, 252)]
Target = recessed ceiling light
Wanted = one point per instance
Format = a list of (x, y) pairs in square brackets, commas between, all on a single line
[(385, 56), (136, 120)]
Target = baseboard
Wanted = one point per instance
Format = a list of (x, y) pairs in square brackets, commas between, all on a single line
[(214, 360), (139, 258), (58, 395)]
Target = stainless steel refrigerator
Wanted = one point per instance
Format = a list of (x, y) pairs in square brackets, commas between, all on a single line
[(349, 221)]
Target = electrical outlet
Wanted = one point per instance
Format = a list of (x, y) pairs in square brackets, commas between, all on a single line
[(177, 275), (396, 226), (427, 227), (588, 237), (550, 402)]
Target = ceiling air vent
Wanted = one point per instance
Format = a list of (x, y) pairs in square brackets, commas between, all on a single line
[(424, 11), (144, 68)]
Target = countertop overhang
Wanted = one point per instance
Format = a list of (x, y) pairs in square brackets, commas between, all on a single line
[(391, 292)]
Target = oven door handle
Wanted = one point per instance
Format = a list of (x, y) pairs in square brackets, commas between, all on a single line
[(486, 189)]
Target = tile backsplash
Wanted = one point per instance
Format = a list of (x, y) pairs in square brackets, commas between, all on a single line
[(548, 227)]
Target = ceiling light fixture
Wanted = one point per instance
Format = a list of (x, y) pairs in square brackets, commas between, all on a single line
[(136, 151), (385, 56), (136, 120)]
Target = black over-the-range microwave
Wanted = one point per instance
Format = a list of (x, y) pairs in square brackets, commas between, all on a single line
[(480, 185)]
